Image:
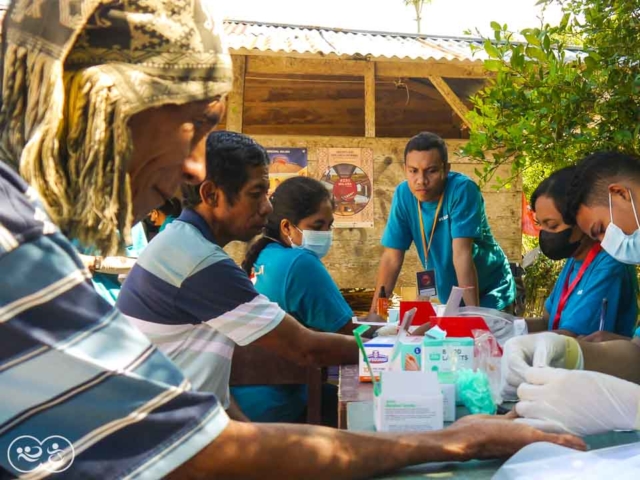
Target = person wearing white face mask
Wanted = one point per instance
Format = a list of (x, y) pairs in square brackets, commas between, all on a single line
[(606, 196), (605, 190), (286, 262)]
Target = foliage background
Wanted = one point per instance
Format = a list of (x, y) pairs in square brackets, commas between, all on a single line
[(560, 92)]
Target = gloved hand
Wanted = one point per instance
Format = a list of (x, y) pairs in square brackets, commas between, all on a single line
[(578, 402), (538, 350)]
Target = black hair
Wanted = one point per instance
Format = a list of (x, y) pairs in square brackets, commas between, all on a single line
[(595, 173), (171, 207), (295, 199), (229, 156), (425, 141), (555, 186)]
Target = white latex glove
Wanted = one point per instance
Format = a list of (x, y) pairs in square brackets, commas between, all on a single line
[(578, 402), (538, 350)]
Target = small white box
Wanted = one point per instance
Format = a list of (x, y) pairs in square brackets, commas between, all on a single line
[(410, 353), (408, 402), (379, 352)]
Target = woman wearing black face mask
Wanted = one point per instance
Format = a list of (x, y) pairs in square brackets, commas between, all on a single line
[(589, 276)]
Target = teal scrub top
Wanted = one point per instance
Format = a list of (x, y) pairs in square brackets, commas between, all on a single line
[(166, 222), (300, 284), (604, 278), (462, 216)]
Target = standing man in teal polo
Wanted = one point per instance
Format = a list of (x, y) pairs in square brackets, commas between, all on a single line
[(443, 213)]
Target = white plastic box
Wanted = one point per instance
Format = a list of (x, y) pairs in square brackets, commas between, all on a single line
[(408, 402)]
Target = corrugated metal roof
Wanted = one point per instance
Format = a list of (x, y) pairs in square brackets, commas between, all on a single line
[(348, 43), (270, 37)]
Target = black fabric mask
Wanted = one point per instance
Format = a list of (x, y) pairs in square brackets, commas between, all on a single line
[(556, 245)]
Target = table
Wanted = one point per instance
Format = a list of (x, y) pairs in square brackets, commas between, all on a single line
[(355, 412)]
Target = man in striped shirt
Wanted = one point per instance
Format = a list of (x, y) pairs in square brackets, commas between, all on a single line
[(83, 394), (192, 300)]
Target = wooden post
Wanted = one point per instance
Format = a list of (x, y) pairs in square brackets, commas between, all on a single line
[(370, 100), (235, 101), (452, 99)]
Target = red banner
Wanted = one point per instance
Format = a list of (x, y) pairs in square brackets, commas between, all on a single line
[(529, 226)]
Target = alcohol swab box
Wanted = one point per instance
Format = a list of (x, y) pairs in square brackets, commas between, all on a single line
[(408, 402)]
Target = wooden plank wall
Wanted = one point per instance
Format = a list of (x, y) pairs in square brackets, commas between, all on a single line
[(330, 106), (353, 260)]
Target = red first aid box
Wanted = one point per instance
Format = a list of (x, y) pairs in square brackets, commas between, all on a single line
[(424, 312)]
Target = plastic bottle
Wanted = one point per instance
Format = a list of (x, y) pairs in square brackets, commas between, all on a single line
[(383, 304)]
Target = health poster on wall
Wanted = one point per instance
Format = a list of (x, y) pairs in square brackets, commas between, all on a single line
[(286, 163), (348, 174)]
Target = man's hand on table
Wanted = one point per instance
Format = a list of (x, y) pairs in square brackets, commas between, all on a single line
[(579, 402), (487, 436)]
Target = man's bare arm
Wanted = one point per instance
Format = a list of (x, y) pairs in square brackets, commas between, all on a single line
[(465, 268), (619, 358), (293, 341), (537, 324), (390, 265), (276, 451)]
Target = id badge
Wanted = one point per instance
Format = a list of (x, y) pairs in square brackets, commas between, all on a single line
[(427, 283)]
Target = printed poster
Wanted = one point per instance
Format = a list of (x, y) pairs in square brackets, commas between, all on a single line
[(286, 163), (348, 174)]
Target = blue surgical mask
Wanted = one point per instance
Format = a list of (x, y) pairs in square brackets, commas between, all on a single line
[(317, 242), (624, 248)]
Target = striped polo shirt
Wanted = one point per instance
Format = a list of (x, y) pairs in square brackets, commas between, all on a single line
[(195, 304), (76, 378)]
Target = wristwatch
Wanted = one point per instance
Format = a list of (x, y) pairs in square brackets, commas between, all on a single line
[(97, 263)]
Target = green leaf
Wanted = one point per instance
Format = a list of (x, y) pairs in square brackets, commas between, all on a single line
[(491, 49), (493, 65), (595, 55), (517, 61), (531, 37), (565, 20), (535, 53), (495, 26), (547, 42), (590, 63)]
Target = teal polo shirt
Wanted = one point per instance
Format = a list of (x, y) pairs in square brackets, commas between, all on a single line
[(300, 284), (604, 278), (462, 216)]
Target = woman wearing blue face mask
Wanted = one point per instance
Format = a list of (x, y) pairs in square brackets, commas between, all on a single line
[(590, 275), (286, 262)]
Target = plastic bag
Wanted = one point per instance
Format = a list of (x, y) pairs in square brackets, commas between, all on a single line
[(475, 392), (545, 460), (502, 325), (488, 359)]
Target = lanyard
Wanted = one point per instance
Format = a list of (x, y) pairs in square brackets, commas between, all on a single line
[(433, 229), (568, 289)]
